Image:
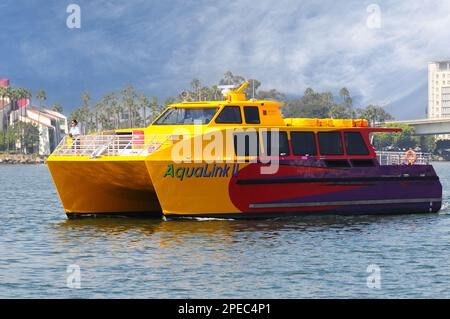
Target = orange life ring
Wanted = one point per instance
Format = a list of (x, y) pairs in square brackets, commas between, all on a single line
[(411, 157)]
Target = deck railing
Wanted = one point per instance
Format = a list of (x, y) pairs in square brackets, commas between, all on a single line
[(112, 145), (398, 158)]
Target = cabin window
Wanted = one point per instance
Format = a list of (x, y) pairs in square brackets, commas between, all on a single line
[(251, 115), (330, 143), (185, 116), (354, 143), (303, 143), (282, 149), (246, 144), (230, 115)]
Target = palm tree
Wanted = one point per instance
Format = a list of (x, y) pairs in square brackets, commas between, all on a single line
[(14, 95), (374, 114), (106, 114), (348, 101), (22, 94), (115, 109), (196, 88), (41, 96), (85, 113), (144, 104), (155, 108), (57, 108), (128, 97)]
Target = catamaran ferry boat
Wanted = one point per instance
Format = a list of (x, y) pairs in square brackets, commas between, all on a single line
[(239, 158)]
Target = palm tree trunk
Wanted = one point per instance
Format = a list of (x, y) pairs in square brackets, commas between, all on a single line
[(145, 117)]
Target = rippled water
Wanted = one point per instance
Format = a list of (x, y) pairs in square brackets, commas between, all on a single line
[(291, 258)]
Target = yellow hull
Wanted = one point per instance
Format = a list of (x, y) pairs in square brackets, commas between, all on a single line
[(193, 195), (107, 187)]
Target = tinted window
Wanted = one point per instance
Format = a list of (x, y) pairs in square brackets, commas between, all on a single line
[(281, 149), (330, 143), (230, 115), (354, 143), (303, 143), (251, 114), (246, 144), (180, 116)]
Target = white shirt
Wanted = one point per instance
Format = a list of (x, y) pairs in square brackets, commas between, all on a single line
[(74, 131)]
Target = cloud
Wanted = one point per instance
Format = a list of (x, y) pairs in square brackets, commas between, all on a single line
[(290, 45)]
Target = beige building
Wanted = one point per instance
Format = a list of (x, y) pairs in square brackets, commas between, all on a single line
[(52, 127), (439, 91)]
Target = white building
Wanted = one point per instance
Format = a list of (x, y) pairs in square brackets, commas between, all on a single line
[(439, 89), (52, 125)]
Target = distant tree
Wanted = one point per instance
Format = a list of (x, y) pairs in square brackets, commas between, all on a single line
[(272, 94), (41, 96), (156, 108), (168, 101), (231, 79), (129, 101), (374, 114), (196, 89), (251, 91), (115, 109), (398, 140), (144, 104), (57, 108), (312, 104)]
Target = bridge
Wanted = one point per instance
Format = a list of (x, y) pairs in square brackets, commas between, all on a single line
[(427, 126)]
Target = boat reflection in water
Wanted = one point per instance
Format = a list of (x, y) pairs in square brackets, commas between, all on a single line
[(203, 233)]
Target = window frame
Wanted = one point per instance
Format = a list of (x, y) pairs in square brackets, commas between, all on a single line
[(170, 109), (228, 123), (251, 107), (363, 140), (316, 146), (344, 153), (286, 137)]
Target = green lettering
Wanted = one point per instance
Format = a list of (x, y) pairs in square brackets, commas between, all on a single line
[(169, 170)]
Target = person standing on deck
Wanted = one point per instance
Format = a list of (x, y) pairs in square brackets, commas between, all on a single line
[(74, 134)]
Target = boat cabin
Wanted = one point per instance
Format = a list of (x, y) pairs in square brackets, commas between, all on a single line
[(339, 142)]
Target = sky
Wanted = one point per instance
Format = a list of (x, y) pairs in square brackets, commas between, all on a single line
[(379, 50)]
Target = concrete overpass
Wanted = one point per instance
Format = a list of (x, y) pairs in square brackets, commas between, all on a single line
[(427, 126)]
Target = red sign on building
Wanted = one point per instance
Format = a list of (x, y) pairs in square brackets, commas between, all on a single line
[(4, 82)]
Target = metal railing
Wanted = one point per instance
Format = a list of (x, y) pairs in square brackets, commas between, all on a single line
[(112, 145), (398, 158)]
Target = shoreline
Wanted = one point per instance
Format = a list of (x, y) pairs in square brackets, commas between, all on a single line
[(25, 159)]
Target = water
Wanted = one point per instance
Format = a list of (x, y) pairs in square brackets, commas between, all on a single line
[(294, 258)]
